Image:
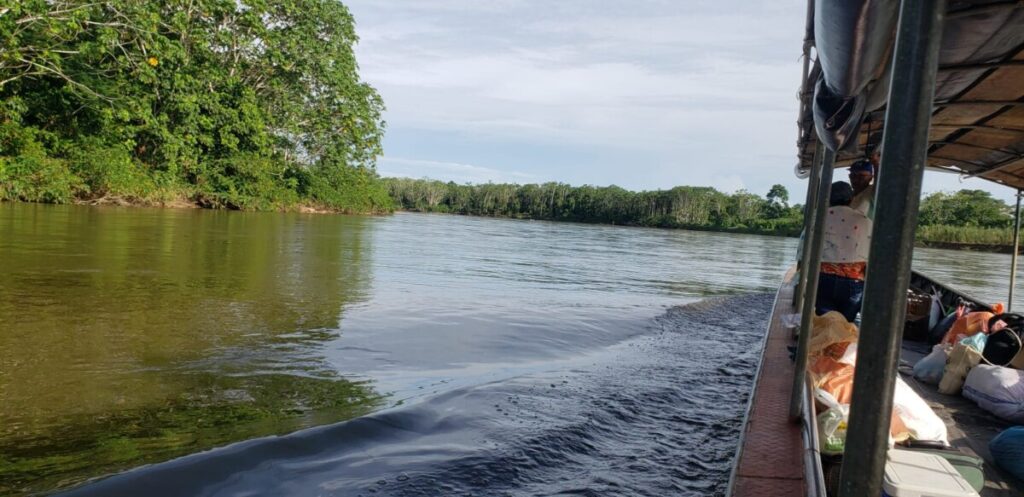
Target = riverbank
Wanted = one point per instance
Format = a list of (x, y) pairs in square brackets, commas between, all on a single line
[(942, 237), (969, 247), (926, 236), (183, 202), (966, 219)]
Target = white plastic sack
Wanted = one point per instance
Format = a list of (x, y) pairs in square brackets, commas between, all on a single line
[(930, 368), (998, 390), (831, 423), (790, 320), (921, 421)]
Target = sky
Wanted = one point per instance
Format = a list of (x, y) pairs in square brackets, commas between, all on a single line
[(643, 94)]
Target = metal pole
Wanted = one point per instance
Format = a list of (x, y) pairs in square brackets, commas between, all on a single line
[(1016, 250), (904, 155), (809, 210), (812, 264)]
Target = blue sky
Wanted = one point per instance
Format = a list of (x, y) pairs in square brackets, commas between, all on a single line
[(644, 94)]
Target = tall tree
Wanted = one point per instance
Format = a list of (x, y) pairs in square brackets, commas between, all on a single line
[(247, 104)]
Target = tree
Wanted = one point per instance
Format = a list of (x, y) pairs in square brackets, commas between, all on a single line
[(964, 208), (680, 207), (778, 195), (777, 202), (242, 105)]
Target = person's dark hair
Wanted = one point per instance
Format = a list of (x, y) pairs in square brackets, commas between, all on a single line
[(841, 194)]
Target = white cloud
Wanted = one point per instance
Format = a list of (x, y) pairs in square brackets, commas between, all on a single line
[(693, 83), (729, 183), (449, 171)]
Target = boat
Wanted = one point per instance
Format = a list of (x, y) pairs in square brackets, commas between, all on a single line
[(932, 85)]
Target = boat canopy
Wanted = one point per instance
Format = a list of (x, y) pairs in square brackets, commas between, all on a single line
[(977, 125)]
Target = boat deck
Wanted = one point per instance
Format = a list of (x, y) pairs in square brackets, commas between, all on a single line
[(970, 427), (770, 458)]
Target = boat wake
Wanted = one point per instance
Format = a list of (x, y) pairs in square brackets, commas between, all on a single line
[(658, 414)]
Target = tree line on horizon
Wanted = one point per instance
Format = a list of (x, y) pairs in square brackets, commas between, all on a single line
[(961, 217), (244, 105), (692, 207)]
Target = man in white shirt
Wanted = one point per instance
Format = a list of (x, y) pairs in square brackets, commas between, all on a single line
[(844, 255)]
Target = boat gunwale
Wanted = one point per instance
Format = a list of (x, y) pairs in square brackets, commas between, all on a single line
[(774, 321)]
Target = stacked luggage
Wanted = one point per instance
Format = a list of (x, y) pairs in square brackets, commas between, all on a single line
[(980, 354)]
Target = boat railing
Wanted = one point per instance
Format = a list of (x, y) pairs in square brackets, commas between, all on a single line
[(814, 474), (904, 157)]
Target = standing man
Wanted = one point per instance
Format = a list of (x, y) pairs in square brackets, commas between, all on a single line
[(844, 255), (862, 176)]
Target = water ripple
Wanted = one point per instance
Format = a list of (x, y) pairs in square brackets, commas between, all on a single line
[(654, 415)]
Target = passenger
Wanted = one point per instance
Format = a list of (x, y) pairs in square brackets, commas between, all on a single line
[(862, 175), (844, 255)]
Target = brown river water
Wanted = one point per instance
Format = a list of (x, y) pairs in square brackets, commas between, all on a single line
[(401, 355)]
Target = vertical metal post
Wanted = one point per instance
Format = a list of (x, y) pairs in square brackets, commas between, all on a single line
[(812, 182), (812, 265), (806, 83), (898, 196), (809, 210), (1016, 250)]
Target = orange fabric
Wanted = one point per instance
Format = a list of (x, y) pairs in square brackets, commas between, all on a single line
[(852, 270), (823, 366), (839, 383), (836, 378), (967, 325)]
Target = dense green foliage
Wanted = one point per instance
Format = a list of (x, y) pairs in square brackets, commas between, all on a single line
[(943, 235), (681, 207), (253, 105), (966, 217), (965, 208)]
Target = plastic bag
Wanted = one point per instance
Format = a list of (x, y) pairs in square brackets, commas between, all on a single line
[(961, 359), (1007, 450), (790, 320), (832, 431), (913, 417), (830, 334), (967, 325), (931, 368), (839, 383), (833, 371), (997, 390), (831, 424), (976, 341)]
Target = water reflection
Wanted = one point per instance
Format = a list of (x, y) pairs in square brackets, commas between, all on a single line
[(131, 336)]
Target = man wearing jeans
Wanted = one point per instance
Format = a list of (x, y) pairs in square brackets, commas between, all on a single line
[(844, 255)]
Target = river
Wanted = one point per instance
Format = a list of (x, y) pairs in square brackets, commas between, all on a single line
[(405, 355)]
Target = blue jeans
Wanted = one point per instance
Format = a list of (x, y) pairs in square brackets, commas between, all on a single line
[(836, 293)]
